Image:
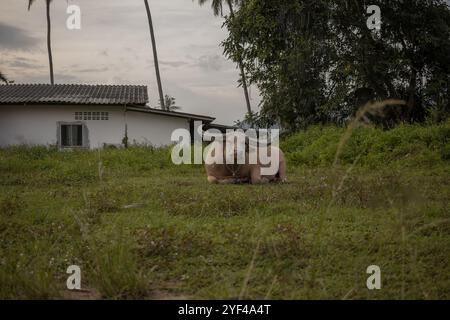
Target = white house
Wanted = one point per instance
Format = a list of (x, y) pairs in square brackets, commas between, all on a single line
[(85, 116)]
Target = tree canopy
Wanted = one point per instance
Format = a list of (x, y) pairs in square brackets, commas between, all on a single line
[(317, 61)]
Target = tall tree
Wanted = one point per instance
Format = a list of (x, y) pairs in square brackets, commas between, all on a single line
[(317, 61), (408, 58), (155, 56), (217, 6), (285, 54), (49, 38)]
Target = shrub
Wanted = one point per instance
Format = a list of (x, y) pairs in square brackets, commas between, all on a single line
[(405, 145)]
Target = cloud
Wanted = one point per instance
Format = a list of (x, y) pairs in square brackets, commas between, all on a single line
[(211, 62), (13, 38), (24, 63), (90, 70), (173, 64)]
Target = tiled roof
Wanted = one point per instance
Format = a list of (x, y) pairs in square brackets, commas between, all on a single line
[(73, 94)]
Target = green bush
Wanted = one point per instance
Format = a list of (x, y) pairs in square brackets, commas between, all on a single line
[(406, 145)]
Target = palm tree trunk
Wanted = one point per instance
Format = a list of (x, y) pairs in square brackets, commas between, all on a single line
[(155, 56), (49, 43), (241, 67)]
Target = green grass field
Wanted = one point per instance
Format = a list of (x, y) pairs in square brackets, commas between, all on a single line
[(140, 227)]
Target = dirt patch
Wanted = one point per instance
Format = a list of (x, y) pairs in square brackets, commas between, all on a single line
[(90, 294)]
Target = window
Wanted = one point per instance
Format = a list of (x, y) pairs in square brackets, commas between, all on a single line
[(71, 135), (105, 115), (78, 115), (89, 115)]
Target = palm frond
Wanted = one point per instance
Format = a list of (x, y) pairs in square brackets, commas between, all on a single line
[(3, 78), (169, 103), (216, 5), (30, 3)]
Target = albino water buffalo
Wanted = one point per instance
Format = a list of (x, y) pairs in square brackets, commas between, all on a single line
[(248, 171)]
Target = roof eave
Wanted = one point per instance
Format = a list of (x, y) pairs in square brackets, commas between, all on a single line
[(171, 113)]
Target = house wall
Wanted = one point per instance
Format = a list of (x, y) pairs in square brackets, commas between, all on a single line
[(38, 125), (154, 129)]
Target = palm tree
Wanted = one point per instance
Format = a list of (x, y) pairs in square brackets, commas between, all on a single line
[(217, 6), (49, 41), (170, 103), (3, 78), (155, 56)]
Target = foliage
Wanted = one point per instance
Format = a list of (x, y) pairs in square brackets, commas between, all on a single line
[(169, 104), (403, 146), (317, 62), (217, 5), (3, 78)]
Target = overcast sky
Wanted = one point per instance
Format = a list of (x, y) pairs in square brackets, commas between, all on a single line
[(113, 47)]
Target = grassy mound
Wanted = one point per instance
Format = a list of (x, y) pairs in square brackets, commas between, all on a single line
[(405, 145)]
